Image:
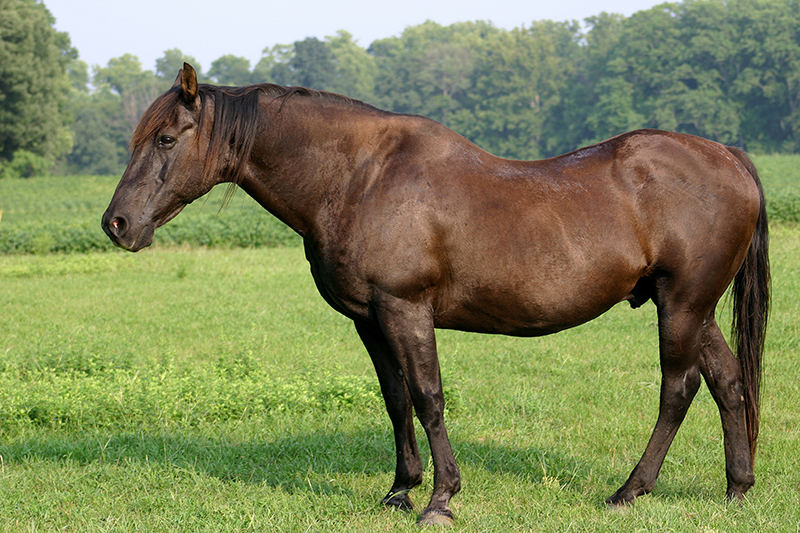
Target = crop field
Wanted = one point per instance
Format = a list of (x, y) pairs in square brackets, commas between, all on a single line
[(205, 386), (62, 215)]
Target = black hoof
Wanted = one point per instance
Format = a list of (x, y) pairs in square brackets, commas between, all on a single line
[(398, 500), (620, 501), (735, 496), (436, 517)]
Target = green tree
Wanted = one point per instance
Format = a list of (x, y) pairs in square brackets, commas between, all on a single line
[(336, 64), (574, 120), (521, 78), (676, 90), (763, 73), (231, 70), (429, 69), (312, 64), (172, 61), (136, 87), (101, 134), (446, 68), (355, 67), (399, 61), (273, 67), (33, 82)]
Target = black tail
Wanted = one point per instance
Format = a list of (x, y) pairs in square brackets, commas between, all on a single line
[(751, 288)]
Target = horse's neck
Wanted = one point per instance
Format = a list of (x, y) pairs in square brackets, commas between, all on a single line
[(299, 169)]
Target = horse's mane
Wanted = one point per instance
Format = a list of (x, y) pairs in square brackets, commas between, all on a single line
[(235, 121)]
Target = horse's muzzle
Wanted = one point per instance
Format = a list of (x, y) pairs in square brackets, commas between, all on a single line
[(119, 231)]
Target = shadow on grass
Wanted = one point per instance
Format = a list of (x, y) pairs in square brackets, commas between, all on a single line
[(286, 462)]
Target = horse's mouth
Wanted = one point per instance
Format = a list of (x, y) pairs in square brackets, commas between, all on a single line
[(143, 240), (126, 236)]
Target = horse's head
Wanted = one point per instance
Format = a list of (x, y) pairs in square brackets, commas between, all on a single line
[(166, 171)]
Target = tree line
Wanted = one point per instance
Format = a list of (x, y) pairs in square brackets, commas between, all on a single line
[(728, 70)]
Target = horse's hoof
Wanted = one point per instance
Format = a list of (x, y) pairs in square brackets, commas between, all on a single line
[(619, 507), (620, 502), (398, 500), (436, 517), (735, 497)]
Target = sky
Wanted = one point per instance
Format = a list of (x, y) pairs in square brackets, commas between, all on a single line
[(209, 29)]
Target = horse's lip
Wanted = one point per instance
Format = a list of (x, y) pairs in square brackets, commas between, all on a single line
[(173, 214), (140, 243)]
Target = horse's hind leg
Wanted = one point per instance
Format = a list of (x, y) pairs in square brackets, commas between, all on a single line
[(679, 347), (723, 376), (408, 472)]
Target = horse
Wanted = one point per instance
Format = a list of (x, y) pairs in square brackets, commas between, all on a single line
[(408, 227)]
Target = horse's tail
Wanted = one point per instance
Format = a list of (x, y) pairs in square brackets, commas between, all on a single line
[(751, 288)]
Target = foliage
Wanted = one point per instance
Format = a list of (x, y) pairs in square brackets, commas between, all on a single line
[(167, 67), (355, 70), (25, 164), (727, 70), (517, 86), (230, 70), (722, 70), (334, 64), (33, 60)]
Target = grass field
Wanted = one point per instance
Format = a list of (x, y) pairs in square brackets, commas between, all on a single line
[(202, 389)]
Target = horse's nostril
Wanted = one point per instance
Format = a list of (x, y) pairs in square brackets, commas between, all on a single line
[(117, 225)]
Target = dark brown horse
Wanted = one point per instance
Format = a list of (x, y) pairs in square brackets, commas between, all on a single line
[(410, 227)]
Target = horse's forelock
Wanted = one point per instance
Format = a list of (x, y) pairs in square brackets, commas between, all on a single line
[(160, 114)]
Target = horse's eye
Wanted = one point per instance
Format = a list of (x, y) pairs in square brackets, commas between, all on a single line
[(166, 141)]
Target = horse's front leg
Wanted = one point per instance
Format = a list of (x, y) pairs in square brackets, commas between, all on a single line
[(408, 472), (408, 330)]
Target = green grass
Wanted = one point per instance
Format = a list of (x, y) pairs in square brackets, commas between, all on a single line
[(186, 389), (780, 175)]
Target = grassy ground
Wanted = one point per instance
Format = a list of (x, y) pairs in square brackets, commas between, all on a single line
[(212, 390)]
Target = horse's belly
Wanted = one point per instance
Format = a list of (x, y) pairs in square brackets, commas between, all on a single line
[(530, 315)]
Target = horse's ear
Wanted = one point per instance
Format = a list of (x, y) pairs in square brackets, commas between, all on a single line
[(187, 78)]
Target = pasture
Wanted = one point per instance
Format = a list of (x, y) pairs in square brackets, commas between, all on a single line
[(193, 388)]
